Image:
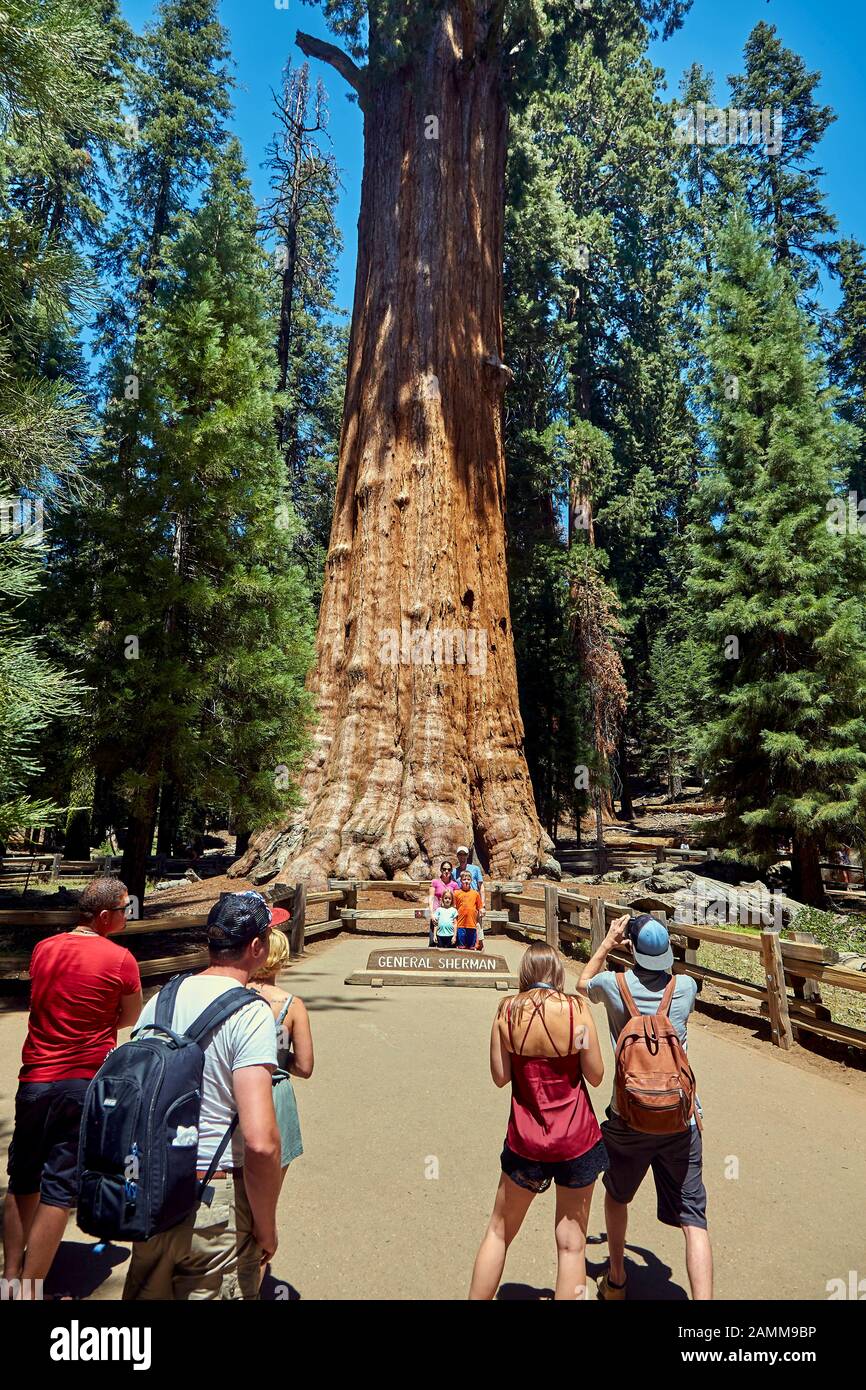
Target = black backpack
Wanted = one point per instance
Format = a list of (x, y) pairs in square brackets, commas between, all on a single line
[(138, 1147)]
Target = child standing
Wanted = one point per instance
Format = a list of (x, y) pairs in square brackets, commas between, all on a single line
[(469, 910), (445, 880), (445, 919)]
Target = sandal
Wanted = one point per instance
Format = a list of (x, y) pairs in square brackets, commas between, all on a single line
[(609, 1292)]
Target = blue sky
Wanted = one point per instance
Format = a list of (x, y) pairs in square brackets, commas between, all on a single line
[(831, 38)]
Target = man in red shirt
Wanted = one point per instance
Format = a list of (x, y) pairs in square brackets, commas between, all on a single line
[(83, 988)]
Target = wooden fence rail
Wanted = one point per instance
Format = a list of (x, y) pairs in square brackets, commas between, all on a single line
[(797, 962), (20, 870)]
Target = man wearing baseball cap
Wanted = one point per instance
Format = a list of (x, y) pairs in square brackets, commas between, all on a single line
[(219, 1251), (675, 1159), (474, 872)]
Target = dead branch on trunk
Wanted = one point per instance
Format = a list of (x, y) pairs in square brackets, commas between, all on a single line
[(329, 53)]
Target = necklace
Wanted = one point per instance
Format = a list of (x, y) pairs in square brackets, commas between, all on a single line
[(85, 931)]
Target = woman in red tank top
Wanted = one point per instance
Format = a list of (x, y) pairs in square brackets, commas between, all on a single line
[(545, 1043)]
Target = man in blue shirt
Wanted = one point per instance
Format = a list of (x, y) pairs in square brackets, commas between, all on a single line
[(675, 1159), (464, 867)]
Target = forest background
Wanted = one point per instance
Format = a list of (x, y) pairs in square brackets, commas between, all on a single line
[(685, 432)]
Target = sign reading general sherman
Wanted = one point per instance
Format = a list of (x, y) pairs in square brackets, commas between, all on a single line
[(468, 962)]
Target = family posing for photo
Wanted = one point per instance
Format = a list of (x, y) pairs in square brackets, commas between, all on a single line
[(457, 905)]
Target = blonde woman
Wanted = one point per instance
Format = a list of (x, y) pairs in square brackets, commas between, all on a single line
[(544, 1043), (294, 1044)]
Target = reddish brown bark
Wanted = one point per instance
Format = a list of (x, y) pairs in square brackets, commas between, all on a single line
[(415, 753)]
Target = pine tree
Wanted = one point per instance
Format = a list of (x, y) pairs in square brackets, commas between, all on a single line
[(779, 591), (205, 623), (848, 360), (180, 102), (782, 182), (60, 104), (675, 678), (311, 344)]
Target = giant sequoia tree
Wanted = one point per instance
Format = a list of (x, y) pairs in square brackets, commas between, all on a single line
[(778, 584), (416, 748)]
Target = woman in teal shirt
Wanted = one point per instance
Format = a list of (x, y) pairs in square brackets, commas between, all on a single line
[(294, 1045)]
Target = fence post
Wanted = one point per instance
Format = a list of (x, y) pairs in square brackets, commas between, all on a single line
[(514, 913), (299, 913), (496, 904), (597, 924), (807, 990), (551, 915), (777, 996), (334, 908)]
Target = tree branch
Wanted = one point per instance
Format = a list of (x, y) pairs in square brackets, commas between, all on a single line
[(495, 21), (329, 53)]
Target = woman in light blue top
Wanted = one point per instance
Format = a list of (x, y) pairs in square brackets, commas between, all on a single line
[(294, 1045)]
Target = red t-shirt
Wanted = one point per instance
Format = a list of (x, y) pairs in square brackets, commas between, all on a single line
[(77, 983)]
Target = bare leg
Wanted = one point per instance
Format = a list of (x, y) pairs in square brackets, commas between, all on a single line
[(46, 1234), (19, 1210), (572, 1218), (699, 1262), (616, 1221), (511, 1205)]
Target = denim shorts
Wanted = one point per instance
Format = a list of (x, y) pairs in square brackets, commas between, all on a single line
[(536, 1176)]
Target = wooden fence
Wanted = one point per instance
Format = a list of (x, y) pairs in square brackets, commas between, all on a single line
[(796, 962), (589, 859), (20, 871)]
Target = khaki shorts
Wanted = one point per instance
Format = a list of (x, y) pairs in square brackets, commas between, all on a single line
[(212, 1254)]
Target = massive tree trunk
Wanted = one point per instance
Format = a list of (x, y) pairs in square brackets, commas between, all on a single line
[(419, 743)]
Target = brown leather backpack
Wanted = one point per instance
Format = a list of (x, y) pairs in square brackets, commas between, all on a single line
[(655, 1086)]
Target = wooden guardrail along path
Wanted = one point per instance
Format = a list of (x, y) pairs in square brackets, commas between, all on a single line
[(18, 870), (796, 962)]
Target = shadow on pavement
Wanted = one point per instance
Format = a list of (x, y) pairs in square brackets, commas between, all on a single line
[(277, 1290), (514, 1293), (322, 1003), (649, 1282), (78, 1269)]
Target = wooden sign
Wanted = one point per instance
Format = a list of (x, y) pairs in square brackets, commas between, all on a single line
[(466, 962), (396, 966)]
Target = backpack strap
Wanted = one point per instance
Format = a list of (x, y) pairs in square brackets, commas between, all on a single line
[(207, 1022), (218, 1153), (221, 1009), (166, 1000), (665, 1002), (625, 995)]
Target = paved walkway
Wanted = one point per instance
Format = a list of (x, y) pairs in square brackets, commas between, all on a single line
[(403, 1128)]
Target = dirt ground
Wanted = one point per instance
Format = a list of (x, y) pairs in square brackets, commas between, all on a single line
[(402, 1132)]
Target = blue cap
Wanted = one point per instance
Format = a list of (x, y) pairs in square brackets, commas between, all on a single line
[(236, 919), (651, 943)]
